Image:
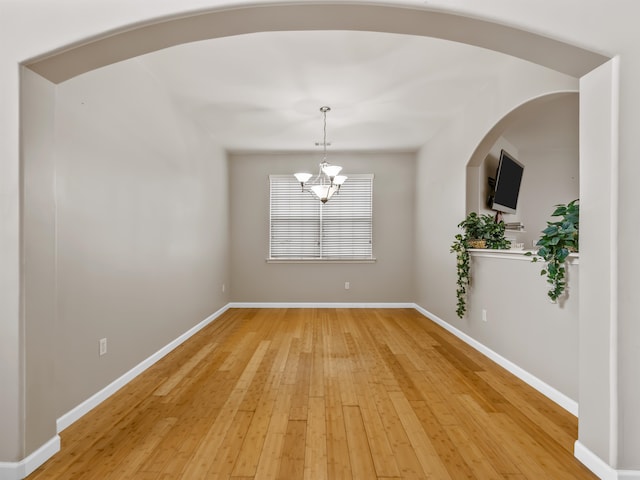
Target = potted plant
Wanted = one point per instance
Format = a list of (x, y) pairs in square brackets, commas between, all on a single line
[(558, 240), (479, 231)]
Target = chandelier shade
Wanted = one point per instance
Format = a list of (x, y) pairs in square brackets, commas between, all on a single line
[(339, 179), (328, 181), (303, 177), (331, 170), (324, 192)]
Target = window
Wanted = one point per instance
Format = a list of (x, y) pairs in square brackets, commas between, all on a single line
[(302, 228)]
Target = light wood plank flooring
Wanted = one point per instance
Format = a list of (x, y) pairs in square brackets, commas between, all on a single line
[(321, 393)]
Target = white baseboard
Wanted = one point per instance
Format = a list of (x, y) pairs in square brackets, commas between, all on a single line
[(68, 418), (560, 398), (318, 305), (23, 468), (599, 467)]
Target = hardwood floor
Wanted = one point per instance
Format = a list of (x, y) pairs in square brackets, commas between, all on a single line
[(321, 393)]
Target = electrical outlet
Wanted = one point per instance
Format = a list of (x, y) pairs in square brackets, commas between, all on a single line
[(484, 315), (347, 285), (103, 346), (223, 288)]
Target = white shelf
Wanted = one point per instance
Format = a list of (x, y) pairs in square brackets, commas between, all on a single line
[(515, 254)]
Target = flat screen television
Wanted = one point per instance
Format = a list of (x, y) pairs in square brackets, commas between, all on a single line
[(507, 184)]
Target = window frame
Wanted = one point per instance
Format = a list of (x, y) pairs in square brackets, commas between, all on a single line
[(363, 205)]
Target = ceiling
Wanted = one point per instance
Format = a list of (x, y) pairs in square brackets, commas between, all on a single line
[(263, 91)]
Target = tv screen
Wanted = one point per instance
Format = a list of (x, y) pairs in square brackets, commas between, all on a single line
[(507, 188)]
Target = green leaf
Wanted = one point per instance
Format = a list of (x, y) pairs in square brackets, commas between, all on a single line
[(562, 255)]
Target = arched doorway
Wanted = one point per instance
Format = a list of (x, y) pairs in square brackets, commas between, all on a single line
[(92, 55)]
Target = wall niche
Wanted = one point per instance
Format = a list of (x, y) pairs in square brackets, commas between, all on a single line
[(542, 135)]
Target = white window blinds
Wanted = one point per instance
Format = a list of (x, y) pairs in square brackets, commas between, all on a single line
[(301, 227)]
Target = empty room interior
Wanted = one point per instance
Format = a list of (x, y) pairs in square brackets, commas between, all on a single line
[(176, 325)]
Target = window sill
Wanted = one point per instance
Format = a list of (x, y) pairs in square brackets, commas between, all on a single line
[(321, 260)]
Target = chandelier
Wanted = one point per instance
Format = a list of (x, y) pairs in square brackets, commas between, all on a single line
[(327, 181)]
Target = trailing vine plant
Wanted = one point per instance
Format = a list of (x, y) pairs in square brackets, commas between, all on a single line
[(462, 264), (557, 241), (479, 231)]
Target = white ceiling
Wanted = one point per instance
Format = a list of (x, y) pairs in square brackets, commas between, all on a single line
[(263, 91)]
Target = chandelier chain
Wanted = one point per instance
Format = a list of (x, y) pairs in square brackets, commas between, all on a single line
[(324, 139)]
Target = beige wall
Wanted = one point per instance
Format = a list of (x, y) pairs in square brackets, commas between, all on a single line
[(552, 177), (521, 323), (389, 279), (142, 227)]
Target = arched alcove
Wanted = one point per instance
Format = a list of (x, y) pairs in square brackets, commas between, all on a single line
[(541, 133)]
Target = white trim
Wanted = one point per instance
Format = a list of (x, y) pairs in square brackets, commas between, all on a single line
[(514, 254), (599, 467), (318, 305), (321, 260), (23, 468), (68, 418), (558, 397), (614, 415)]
